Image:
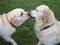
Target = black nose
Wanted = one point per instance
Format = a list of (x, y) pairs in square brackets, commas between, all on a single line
[(29, 13)]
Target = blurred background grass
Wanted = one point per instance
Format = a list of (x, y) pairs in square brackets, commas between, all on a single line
[(25, 34)]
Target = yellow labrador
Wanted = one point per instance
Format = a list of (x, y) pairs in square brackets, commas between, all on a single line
[(9, 21), (47, 28)]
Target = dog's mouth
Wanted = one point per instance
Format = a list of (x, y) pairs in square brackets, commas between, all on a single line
[(31, 17)]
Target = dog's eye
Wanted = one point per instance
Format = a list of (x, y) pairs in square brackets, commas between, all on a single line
[(21, 14)]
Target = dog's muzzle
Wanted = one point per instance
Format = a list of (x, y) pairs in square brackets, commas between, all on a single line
[(29, 13)]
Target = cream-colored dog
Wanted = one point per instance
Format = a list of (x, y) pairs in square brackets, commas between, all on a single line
[(9, 21), (47, 28)]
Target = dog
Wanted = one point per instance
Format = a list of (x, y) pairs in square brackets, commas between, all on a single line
[(9, 21), (47, 28)]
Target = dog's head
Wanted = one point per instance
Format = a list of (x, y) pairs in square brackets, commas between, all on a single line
[(43, 13), (17, 16)]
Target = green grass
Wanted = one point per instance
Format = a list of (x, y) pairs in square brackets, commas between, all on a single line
[(25, 34)]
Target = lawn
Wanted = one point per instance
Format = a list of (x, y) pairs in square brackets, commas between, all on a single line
[(25, 34)]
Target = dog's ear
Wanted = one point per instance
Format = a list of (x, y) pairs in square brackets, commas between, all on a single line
[(12, 19), (46, 16)]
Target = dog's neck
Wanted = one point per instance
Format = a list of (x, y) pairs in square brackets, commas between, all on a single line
[(43, 26)]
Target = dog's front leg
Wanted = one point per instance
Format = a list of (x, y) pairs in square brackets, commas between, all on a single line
[(39, 43), (9, 39)]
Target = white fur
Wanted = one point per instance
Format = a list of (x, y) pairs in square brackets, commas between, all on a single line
[(51, 35), (6, 29)]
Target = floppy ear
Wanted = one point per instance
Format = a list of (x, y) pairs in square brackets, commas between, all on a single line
[(12, 19), (46, 16)]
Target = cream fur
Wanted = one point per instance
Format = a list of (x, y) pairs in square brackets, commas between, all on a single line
[(44, 16), (14, 16)]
